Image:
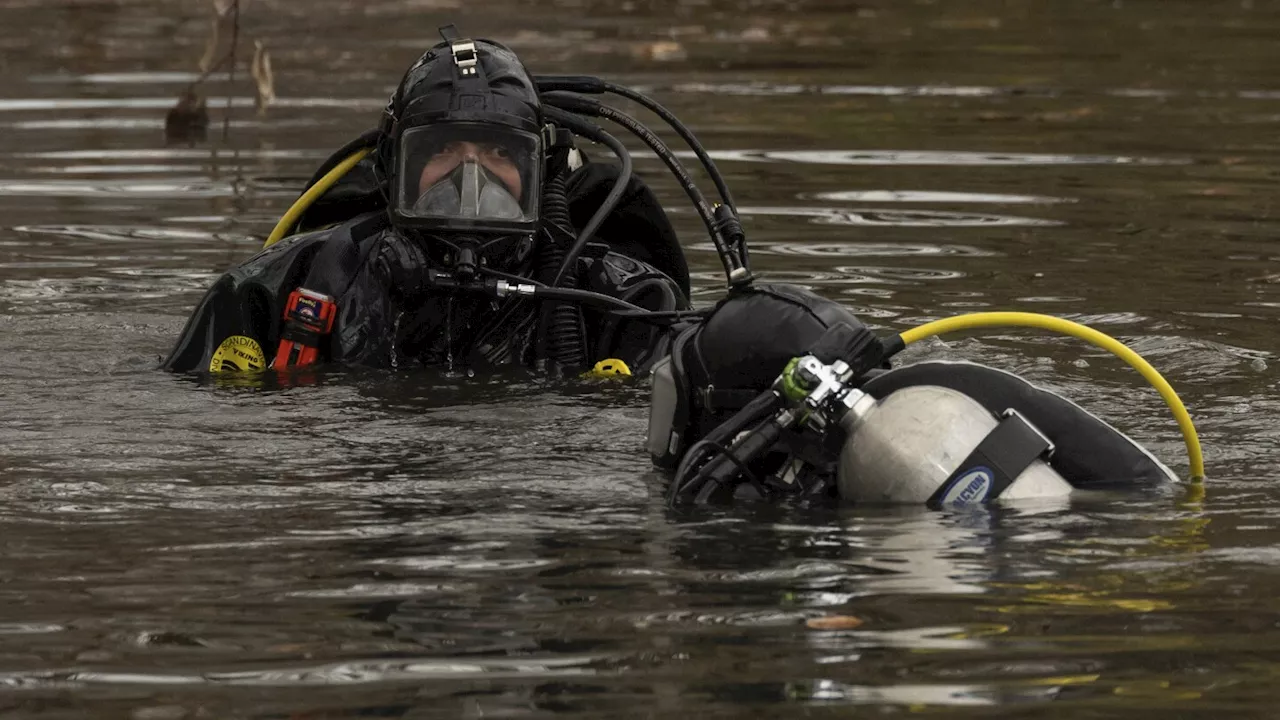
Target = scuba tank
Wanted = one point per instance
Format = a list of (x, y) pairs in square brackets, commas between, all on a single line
[(906, 447), (922, 444), (836, 423)]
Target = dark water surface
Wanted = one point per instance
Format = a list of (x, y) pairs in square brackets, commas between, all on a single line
[(422, 546)]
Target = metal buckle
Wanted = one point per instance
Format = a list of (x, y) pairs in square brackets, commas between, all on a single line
[(705, 392), (1050, 447), (464, 56)]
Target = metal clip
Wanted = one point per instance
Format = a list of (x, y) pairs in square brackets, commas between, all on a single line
[(706, 395), (464, 56), (1049, 450)]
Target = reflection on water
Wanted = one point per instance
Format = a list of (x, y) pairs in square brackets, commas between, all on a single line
[(901, 218), (913, 157), (932, 196), (426, 545), (334, 674), (71, 188), (164, 103), (765, 89)]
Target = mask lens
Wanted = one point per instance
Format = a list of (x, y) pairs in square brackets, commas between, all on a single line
[(469, 172)]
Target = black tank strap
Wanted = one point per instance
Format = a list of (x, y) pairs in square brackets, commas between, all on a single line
[(714, 398), (992, 467)]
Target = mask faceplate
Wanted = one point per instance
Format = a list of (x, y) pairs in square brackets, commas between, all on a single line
[(461, 176)]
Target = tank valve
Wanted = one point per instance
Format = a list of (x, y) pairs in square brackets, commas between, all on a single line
[(823, 390)]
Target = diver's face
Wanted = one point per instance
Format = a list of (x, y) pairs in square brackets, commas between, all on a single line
[(494, 158)]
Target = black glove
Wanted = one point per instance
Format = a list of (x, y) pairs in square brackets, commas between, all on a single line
[(403, 267)]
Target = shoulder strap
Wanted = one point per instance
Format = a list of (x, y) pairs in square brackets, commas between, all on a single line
[(337, 263)]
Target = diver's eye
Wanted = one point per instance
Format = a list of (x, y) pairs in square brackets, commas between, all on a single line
[(450, 152), (500, 152)]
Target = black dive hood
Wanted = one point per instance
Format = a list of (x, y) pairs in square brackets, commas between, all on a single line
[(462, 83)]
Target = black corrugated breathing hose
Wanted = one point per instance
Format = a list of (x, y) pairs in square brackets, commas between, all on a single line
[(562, 321)]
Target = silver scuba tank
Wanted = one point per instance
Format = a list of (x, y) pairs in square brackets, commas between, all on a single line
[(902, 448)]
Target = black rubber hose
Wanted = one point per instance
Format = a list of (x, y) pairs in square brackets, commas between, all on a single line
[(685, 134), (594, 132), (587, 297), (557, 230), (584, 296), (689, 471), (608, 329), (594, 85), (563, 323), (587, 106), (727, 465)]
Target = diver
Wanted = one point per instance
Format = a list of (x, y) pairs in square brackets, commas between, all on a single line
[(467, 203), (470, 229), (780, 394)]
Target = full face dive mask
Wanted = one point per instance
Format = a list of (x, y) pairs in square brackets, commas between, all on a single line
[(469, 177)]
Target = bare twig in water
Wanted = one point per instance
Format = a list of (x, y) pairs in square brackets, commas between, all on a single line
[(215, 39), (221, 16), (222, 7), (231, 80), (187, 121), (260, 70), (222, 62)]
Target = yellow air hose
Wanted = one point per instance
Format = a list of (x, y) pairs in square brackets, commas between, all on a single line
[(1089, 335), (300, 205)]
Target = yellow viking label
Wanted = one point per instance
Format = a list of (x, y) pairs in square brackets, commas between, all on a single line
[(238, 354)]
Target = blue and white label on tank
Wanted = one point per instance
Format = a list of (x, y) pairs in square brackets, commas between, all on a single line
[(970, 488)]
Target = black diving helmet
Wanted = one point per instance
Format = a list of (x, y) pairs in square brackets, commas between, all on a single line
[(463, 144)]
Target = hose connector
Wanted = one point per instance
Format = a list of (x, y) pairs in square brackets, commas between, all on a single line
[(729, 228)]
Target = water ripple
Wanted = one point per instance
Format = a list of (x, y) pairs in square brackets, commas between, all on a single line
[(153, 153), (118, 233), (897, 218), (860, 249), (925, 157), (164, 103), (168, 189), (933, 196), (771, 89), (344, 673)]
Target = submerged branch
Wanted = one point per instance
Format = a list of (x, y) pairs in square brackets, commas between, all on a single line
[(188, 120)]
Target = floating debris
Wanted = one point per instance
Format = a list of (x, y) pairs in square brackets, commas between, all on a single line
[(187, 122), (833, 622)]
